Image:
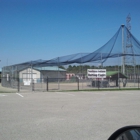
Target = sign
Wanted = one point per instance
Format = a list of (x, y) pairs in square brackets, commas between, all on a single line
[(27, 83), (96, 73), (7, 77)]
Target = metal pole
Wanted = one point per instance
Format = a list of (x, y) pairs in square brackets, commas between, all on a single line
[(101, 61), (98, 84), (18, 84), (138, 75), (58, 75), (32, 81), (123, 49), (118, 81), (134, 71), (81, 71), (33, 88), (47, 84), (18, 81), (138, 82), (41, 79), (78, 82)]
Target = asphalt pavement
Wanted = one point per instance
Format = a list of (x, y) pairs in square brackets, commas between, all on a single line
[(67, 115)]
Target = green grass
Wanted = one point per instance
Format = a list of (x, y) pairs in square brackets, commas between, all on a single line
[(100, 89), (2, 91)]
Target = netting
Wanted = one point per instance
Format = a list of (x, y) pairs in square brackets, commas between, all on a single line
[(121, 53), (115, 47)]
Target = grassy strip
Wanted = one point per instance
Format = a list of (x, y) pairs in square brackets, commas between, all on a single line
[(1, 91), (114, 89)]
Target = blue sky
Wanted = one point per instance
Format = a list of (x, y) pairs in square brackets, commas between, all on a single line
[(45, 29)]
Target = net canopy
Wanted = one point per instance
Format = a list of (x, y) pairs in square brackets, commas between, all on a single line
[(123, 43), (120, 54)]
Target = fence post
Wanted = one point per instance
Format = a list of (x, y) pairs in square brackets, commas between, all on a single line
[(98, 84), (138, 82), (33, 88), (47, 88), (18, 84), (78, 82)]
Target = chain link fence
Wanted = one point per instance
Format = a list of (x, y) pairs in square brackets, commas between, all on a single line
[(59, 84), (32, 77)]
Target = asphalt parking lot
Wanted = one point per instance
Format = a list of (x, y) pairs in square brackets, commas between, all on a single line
[(67, 115)]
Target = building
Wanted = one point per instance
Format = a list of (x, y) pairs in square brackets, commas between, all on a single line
[(30, 75), (40, 74), (69, 75)]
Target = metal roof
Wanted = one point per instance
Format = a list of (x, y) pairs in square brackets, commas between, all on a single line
[(115, 74), (49, 68)]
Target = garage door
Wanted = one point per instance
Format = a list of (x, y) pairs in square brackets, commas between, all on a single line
[(27, 78)]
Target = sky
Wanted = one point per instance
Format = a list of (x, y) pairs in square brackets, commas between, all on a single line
[(46, 29)]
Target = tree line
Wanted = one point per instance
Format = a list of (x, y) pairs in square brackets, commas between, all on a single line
[(83, 68)]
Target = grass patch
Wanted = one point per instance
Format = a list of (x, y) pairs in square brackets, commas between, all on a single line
[(2, 91), (108, 89)]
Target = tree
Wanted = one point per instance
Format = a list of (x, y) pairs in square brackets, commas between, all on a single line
[(61, 67)]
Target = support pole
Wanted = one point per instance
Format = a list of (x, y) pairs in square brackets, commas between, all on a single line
[(18, 80), (123, 49), (78, 82), (138, 82), (47, 80), (117, 80), (33, 85), (18, 84), (58, 75)]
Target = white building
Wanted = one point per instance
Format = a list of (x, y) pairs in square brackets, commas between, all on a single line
[(39, 74)]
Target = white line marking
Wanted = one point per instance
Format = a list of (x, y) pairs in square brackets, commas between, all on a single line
[(19, 95), (65, 93)]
